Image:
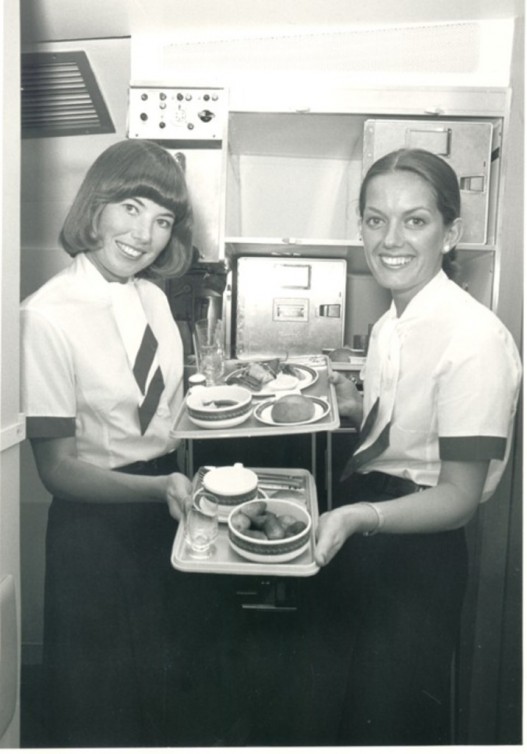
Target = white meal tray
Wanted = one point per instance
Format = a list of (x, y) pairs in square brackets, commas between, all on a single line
[(225, 560), (320, 387)]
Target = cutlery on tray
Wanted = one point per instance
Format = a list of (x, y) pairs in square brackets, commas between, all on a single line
[(268, 480)]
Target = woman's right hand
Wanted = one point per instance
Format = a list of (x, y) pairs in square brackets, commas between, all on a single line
[(349, 397), (178, 492)]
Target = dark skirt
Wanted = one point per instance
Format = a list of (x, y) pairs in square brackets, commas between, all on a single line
[(405, 595), (127, 641)]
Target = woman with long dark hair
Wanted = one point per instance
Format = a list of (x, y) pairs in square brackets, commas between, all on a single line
[(441, 383)]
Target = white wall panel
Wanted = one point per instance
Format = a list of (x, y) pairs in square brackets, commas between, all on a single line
[(460, 53), (9, 376)]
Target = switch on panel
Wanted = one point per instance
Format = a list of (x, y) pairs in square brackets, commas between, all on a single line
[(8, 652), (177, 113)]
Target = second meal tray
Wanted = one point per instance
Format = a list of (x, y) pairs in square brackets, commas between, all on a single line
[(225, 560)]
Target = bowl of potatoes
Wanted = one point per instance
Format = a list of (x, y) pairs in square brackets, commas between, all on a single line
[(269, 531)]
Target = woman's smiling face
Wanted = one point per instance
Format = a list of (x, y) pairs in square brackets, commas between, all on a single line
[(132, 233), (404, 234)]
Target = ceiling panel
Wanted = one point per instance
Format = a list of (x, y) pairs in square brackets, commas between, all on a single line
[(45, 20)]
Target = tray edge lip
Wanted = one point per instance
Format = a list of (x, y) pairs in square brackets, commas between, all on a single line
[(251, 569)]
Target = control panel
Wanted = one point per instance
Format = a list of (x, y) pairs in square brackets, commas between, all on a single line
[(177, 113)]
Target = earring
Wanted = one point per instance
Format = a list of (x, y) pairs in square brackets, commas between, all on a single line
[(446, 248)]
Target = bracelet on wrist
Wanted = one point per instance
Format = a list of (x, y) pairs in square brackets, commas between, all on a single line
[(380, 520)]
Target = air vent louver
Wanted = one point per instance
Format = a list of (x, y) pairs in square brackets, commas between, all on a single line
[(61, 97)]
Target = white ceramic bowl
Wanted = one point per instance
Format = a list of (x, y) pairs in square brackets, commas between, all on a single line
[(232, 485), (271, 550), (218, 405)]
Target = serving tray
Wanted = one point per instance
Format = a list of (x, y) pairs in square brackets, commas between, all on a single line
[(225, 560), (183, 428)]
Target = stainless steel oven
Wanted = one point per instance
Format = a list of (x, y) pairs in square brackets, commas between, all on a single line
[(284, 306)]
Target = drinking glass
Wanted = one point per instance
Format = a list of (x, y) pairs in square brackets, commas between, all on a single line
[(209, 347), (201, 524)]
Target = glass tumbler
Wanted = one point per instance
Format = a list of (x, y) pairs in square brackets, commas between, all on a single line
[(201, 524), (209, 346)]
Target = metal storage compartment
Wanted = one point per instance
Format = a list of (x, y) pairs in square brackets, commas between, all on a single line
[(288, 306)]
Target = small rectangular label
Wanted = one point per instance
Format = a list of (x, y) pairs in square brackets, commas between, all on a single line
[(433, 140), (290, 310)]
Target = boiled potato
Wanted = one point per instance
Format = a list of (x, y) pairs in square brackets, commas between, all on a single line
[(295, 528), (258, 522), (273, 528), (254, 509), (255, 534), (286, 520), (293, 408), (240, 521)]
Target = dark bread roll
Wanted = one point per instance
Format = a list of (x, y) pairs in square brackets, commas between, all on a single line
[(293, 408), (341, 354)]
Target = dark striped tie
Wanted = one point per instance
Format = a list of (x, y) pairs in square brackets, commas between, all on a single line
[(362, 457), (152, 393)]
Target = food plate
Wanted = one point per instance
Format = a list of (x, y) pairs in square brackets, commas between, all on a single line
[(306, 377), (263, 413), (259, 558)]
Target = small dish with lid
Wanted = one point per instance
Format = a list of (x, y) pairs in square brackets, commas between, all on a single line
[(231, 485)]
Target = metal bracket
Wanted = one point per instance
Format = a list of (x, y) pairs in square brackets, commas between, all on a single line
[(13, 434)]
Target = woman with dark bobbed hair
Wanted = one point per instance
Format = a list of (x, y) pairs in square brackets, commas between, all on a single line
[(102, 380), (441, 384), (133, 168)]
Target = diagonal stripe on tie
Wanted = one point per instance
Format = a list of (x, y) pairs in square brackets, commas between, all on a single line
[(148, 407), (375, 449), (366, 455), (144, 358), (370, 421)]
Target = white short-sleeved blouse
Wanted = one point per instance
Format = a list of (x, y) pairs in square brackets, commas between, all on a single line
[(76, 375), (448, 373)]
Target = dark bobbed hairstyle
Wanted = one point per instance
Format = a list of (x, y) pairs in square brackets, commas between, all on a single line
[(133, 168), (437, 173)]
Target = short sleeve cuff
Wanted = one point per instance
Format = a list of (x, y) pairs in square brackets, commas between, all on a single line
[(472, 448), (49, 427)]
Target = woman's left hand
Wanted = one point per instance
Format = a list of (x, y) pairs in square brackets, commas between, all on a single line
[(336, 526), (329, 538), (332, 531), (178, 491)]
